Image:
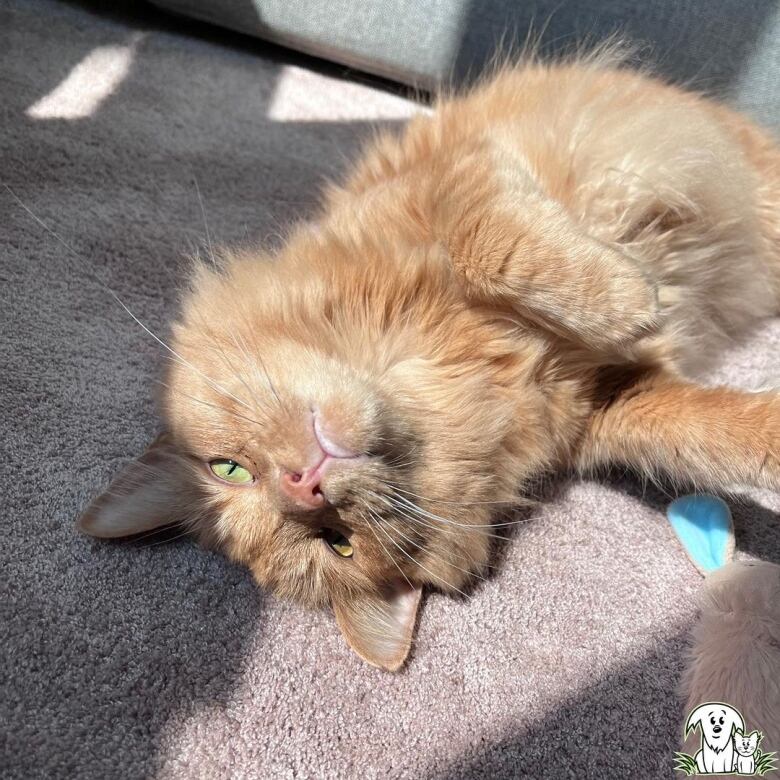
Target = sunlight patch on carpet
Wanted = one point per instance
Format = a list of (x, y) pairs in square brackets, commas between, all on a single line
[(89, 83), (303, 96)]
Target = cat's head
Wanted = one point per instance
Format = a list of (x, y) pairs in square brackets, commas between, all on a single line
[(339, 420), (746, 744)]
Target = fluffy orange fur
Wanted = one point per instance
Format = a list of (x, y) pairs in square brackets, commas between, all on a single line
[(518, 283)]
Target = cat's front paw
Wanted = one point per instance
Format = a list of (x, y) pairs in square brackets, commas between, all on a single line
[(623, 306)]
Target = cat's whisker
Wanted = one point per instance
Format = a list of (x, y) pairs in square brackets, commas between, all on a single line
[(214, 385), (209, 381), (237, 374), (258, 377), (398, 489), (257, 358), (167, 541), (404, 464), (207, 403), (156, 531), (206, 225), (270, 381), (397, 508), (213, 340), (116, 297), (434, 555), (404, 459), (437, 528), (443, 529), (418, 510), (412, 506), (401, 456), (380, 525), (216, 341), (387, 553)]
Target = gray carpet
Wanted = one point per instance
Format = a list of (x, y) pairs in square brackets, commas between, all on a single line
[(156, 659)]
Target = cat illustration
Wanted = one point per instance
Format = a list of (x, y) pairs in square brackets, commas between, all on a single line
[(524, 281), (746, 745)]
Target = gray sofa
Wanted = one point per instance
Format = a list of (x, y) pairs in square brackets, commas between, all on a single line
[(730, 47)]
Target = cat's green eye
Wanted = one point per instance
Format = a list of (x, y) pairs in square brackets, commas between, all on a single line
[(230, 471), (337, 542)]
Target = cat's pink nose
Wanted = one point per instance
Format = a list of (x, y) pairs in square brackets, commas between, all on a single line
[(304, 487)]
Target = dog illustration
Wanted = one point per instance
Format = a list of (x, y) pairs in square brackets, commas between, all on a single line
[(746, 746), (717, 722)]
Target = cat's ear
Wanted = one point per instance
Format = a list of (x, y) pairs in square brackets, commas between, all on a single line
[(379, 628), (152, 491), (738, 733)]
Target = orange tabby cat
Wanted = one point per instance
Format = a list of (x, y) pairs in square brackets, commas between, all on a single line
[(517, 283)]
